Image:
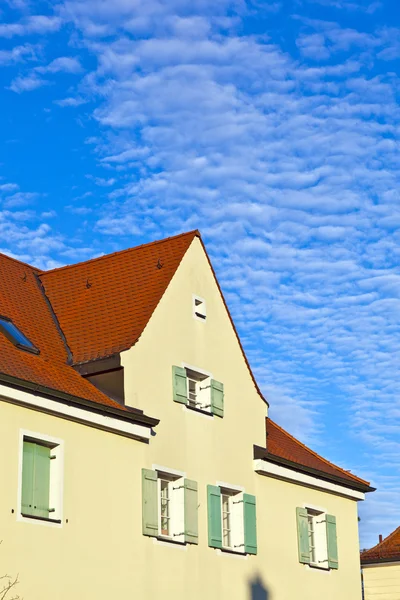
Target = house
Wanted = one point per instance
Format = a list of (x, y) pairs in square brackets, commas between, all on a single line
[(138, 458), (381, 568)]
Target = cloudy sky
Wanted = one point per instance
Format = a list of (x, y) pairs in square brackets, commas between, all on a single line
[(273, 127)]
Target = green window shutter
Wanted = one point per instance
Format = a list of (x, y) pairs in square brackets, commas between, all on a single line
[(331, 538), (250, 524), (217, 398), (302, 535), (28, 466), (214, 516), (41, 486), (149, 502), (179, 384), (191, 512)]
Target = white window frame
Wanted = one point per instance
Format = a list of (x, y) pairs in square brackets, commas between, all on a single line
[(320, 558), (56, 477), (176, 494), (201, 308), (203, 389), (236, 506)]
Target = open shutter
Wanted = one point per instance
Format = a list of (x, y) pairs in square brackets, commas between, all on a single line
[(28, 462), (217, 398), (250, 524), (214, 516), (41, 486), (179, 383), (191, 512), (149, 502), (302, 535), (331, 538)]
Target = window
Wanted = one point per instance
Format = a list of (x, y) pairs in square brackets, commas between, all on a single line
[(317, 539), (199, 308), (198, 390), (170, 506), (231, 520), (16, 336), (41, 474)]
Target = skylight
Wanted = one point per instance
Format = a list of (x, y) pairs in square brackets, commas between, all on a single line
[(16, 336)]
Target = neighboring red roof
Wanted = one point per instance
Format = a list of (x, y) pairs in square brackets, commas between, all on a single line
[(386, 551), (104, 304), (283, 445)]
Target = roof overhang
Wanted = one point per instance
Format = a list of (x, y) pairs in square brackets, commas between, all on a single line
[(287, 468), (125, 421)]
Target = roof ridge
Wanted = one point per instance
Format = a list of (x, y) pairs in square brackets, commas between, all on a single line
[(20, 262), (347, 473), (386, 539), (194, 232)]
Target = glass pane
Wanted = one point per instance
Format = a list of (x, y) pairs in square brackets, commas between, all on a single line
[(192, 391), (15, 333), (226, 521), (164, 507)]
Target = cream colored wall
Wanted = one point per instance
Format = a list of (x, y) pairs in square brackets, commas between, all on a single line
[(101, 552), (382, 582)]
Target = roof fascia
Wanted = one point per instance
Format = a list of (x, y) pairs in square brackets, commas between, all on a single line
[(129, 414), (263, 454)]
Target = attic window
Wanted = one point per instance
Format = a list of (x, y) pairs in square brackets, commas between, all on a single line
[(199, 308), (16, 336)]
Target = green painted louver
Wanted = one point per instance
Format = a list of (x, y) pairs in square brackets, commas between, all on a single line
[(28, 470), (191, 512), (302, 535), (35, 480), (331, 537), (250, 524), (41, 490), (179, 384), (149, 503), (217, 398), (214, 516)]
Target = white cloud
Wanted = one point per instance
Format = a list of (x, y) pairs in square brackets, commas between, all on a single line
[(62, 64), (35, 24), (18, 54), (27, 84)]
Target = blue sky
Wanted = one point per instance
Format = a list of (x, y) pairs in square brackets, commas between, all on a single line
[(273, 127)]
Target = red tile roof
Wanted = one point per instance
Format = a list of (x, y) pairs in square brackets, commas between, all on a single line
[(104, 304), (22, 300), (98, 308), (386, 551), (282, 445)]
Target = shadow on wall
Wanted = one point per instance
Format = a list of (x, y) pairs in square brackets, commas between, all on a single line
[(258, 590)]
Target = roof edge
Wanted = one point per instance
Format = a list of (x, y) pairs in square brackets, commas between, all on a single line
[(325, 460), (232, 322), (378, 560), (194, 232), (133, 415), (263, 454), (20, 262)]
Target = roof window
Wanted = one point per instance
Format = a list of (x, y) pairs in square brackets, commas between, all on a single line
[(16, 336)]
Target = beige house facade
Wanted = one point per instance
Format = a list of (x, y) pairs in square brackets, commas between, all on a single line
[(137, 451)]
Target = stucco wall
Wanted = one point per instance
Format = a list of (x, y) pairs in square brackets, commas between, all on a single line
[(382, 582), (100, 553)]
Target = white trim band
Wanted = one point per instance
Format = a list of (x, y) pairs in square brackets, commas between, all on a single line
[(72, 413), (278, 472)]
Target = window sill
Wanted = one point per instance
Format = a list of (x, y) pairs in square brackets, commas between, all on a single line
[(318, 567), (233, 551), (202, 411), (35, 518), (169, 540)]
